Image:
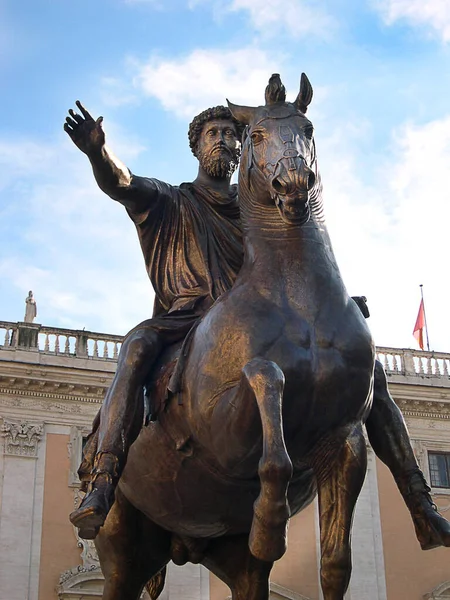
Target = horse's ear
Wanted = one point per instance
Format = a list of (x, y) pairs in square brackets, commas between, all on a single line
[(243, 114), (275, 90), (305, 94)]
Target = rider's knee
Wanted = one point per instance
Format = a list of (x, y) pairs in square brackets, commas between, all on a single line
[(139, 348)]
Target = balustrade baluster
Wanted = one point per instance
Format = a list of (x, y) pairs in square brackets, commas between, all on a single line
[(105, 350), (394, 363), (6, 343), (445, 367), (95, 349), (57, 344), (46, 343), (115, 351), (67, 346), (421, 371), (438, 371), (429, 360)]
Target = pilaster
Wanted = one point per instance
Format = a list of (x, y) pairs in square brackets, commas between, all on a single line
[(18, 527)]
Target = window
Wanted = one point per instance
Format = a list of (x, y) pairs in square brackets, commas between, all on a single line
[(439, 463)]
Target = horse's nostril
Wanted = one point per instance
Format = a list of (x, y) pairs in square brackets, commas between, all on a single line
[(278, 186), (311, 180)]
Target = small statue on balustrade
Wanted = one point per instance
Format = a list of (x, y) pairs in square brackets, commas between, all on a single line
[(30, 308)]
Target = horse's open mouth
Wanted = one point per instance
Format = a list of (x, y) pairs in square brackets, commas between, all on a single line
[(294, 210)]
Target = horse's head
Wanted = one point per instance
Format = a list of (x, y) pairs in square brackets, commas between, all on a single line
[(278, 162)]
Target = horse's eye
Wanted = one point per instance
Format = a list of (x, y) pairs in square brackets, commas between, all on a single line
[(257, 137)]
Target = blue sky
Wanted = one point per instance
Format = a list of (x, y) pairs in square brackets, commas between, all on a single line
[(381, 110)]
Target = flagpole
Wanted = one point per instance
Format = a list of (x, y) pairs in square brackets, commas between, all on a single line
[(425, 316)]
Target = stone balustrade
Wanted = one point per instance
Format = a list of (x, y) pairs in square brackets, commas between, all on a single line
[(58, 341), (402, 362), (408, 362)]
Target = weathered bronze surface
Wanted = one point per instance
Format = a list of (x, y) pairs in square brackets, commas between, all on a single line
[(276, 379)]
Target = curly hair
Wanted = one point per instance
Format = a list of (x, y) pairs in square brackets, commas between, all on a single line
[(210, 114)]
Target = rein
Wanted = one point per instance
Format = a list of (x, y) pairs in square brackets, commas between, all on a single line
[(287, 136), (290, 153)]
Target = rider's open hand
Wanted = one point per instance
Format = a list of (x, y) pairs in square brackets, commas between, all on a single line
[(85, 132)]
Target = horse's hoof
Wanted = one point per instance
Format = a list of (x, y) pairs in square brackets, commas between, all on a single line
[(267, 543)]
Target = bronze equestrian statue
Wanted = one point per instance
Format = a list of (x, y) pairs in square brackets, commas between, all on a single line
[(276, 377)]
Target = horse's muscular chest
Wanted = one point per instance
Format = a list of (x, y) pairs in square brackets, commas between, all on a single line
[(312, 350)]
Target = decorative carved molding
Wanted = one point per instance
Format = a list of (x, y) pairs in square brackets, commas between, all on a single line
[(49, 407), (53, 390), (441, 592), (80, 569), (424, 409), (21, 439), (279, 592)]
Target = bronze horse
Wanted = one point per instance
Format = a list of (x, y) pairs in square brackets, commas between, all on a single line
[(276, 384)]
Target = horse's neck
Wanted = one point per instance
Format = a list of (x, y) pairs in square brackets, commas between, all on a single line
[(294, 256), (289, 250)]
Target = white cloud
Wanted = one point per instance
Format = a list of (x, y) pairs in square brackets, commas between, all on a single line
[(116, 92), (74, 247), (433, 14), (391, 237), (206, 77), (271, 17)]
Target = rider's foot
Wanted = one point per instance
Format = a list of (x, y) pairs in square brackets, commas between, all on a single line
[(95, 506), (432, 530)]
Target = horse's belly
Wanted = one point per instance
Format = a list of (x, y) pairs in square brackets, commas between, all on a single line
[(182, 493)]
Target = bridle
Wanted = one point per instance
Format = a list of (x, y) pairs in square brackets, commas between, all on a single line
[(290, 153)]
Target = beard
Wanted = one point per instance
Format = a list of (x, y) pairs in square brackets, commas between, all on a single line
[(220, 165)]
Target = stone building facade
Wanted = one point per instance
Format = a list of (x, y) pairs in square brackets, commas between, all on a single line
[(52, 382)]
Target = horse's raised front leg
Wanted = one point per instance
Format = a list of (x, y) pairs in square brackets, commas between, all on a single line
[(267, 539), (338, 494), (230, 559)]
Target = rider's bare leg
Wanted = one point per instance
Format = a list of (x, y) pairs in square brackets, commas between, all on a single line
[(389, 438), (120, 423)]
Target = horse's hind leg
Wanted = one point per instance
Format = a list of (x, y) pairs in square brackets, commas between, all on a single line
[(267, 539), (132, 550), (338, 494), (231, 560)]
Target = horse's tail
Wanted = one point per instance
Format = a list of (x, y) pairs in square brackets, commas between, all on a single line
[(155, 585)]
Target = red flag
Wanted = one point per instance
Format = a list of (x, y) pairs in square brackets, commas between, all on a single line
[(420, 324)]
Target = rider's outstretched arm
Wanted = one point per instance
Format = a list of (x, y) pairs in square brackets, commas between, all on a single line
[(112, 176)]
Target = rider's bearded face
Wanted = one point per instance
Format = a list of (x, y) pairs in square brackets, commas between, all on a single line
[(218, 148)]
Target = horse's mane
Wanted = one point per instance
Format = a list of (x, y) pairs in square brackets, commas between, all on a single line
[(315, 197)]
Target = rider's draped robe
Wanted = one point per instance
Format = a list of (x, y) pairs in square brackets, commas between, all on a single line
[(191, 240)]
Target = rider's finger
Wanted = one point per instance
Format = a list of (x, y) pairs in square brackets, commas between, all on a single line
[(71, 122), (99, 121), (68, 129), (86, 114), (76, 116)]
